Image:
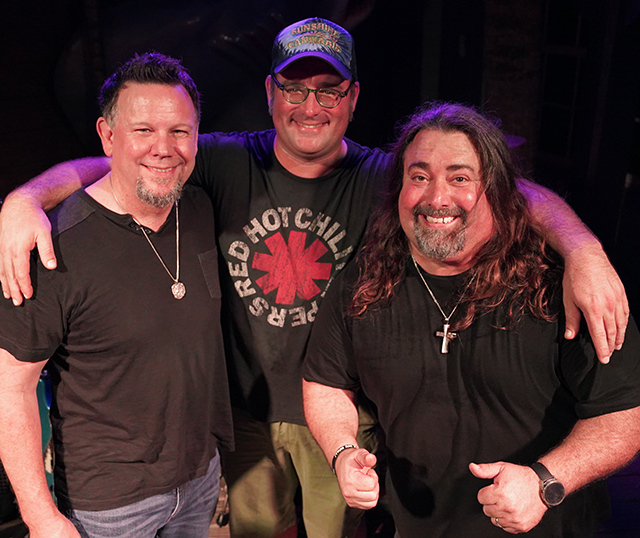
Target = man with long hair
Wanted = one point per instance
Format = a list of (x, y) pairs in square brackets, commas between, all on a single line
[(291, 206), (450, 322)]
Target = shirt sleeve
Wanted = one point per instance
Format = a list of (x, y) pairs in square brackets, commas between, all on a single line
[(601, 388), (330, 359), (202, 175), (33, 331)]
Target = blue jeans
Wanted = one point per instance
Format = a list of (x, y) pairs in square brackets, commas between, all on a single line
[(185, 512)]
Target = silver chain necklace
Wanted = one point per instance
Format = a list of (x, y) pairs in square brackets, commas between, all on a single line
[(177, 288), (445, 334)]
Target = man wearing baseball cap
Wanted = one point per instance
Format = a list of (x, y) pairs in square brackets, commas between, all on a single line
[(315, 38), (291, 206)]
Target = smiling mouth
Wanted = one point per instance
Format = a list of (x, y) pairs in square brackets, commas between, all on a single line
[(309, 126), (161, 170), (439, 220)]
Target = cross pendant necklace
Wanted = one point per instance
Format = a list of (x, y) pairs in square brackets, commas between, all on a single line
[(446, 335)]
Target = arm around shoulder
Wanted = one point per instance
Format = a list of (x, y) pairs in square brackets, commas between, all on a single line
[(60, 181), (591, 285), (24, 225)]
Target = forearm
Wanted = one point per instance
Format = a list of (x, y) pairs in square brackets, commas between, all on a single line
[(332, 416), (559, 224), (595, 448), (59, 182)]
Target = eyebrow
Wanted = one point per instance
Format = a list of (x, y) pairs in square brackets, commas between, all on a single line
[(181, 124), (451, 168), (296, 82)]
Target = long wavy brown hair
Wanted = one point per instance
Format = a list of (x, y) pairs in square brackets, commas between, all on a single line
[(514, 268)]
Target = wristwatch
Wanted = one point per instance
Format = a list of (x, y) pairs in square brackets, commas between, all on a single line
[(552, 491)]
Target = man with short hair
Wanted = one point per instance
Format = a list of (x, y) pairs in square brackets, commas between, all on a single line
[(291, 206), (130, 320), (450, 322)]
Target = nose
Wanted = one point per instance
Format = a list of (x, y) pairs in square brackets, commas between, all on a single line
[(162, 145), (311, 106), (437, 193)]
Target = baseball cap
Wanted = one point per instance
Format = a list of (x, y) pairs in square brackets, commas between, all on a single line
[(315, 37)]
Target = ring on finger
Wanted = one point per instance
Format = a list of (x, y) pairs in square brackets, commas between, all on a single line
[(495, 519)]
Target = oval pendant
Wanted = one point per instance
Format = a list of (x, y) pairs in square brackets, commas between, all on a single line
[(178, 290)]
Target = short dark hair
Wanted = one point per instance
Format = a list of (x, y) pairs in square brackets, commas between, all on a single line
[(149, 68), (511, 268)]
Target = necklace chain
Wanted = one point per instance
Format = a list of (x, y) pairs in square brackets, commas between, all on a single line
[(446, 318), (445, 334), (178, 288)]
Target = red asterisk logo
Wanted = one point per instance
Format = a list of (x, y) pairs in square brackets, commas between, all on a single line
[(291, 268)]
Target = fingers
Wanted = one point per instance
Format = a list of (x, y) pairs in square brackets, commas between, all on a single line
[(15, 278), (358, 481), (17, 239), (505, 524), (5, 292), (509, 522), (608, 330), (485, 470), (364, 492), (592, 285), (20, 284), (22, 278), (513, 497), (622, 320), (606, 315), (364, 458), (573, 316), (600, 338), (10, 287), (45, 249)]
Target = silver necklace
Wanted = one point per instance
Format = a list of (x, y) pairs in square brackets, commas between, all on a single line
[(445, 334), (177, 288)]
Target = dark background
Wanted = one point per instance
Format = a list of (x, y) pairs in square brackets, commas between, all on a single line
[(564, 75)]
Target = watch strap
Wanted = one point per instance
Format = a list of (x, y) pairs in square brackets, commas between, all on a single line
[(542, 472)]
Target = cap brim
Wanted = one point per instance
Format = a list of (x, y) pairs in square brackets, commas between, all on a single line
[(338, 66)]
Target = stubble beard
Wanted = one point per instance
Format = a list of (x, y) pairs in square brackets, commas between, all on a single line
[(439, 244), (145, 195)]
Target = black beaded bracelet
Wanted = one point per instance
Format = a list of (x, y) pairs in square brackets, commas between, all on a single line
[(338, 452)]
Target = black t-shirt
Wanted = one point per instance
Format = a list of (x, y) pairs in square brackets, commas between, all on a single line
[(283, 239), (499, 395), (140, 392)]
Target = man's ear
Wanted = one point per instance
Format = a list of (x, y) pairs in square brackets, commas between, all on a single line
[(269, 85), (355, 92), (106, 136)]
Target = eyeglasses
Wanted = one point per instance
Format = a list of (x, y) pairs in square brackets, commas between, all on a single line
[(296, 94)]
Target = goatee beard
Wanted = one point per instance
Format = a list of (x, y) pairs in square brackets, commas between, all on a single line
[(439, 244), (155, 200)]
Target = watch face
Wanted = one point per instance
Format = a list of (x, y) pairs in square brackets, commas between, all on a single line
[(553, 493)]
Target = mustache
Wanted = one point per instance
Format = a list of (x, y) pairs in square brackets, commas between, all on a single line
[(427, 211)]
